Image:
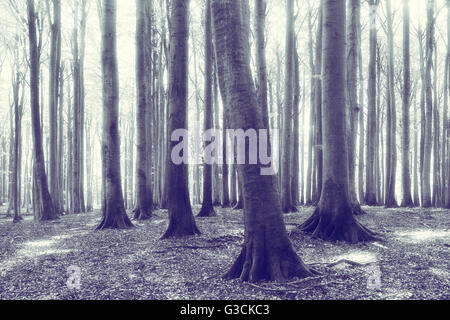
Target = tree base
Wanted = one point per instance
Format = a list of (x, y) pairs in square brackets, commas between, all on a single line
[(239, 205), (207, 211), (17, 219), (344, 227), (139, 214), (115, 221), (262, 260), (357, 210)]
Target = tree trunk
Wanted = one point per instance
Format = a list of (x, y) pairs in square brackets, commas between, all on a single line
[(207, 209), (43, 204), (144, 201), (370, 195), (428, 140), (406, 172), (181, 220), (113, 209), (352, 91), (333, 219), (391, 147), (286, 196), (55, 61), (267, 253)]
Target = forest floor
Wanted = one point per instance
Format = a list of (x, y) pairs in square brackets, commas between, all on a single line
[(413, 260)]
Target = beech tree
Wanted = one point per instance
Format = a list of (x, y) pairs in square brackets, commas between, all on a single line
[(113, 208), (267, 253), (43, 207), (181, 220), (334, 218), (144, 203)]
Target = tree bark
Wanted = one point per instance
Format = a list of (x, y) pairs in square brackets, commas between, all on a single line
[(333, 219), (207, 209), (181, 220), (113, 209), (43, 205), (144, 201), (267, 253)]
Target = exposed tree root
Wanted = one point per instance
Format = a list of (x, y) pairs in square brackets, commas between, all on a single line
[(350, 262), (357, 210), (115, 220), (181, 226), (296, 289), (139, 214), (271, 260), (239, 205), (207, 211), (341, 227)]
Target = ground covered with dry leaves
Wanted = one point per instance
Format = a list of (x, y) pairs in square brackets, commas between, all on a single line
[(412, 262)]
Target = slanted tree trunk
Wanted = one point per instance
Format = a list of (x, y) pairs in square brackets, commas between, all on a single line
[(144, 200), (113, 209), (352, 91), (406, 170), (333, 219), (286, 196), (428, 141), (207, 209), (267, 253), (181, 220), (370, 195), (43, 205)]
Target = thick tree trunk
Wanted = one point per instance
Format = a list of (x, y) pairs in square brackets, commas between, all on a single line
[(267, 253), (333, 219), (144, 201), (113, 209), (43, 205), (207, 209), (181, 220)]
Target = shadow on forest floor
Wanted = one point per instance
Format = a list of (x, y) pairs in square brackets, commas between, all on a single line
[(413, 262)]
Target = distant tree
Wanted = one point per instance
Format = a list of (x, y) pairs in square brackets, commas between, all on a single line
[(334, 219), (267, 253), (113, 208)]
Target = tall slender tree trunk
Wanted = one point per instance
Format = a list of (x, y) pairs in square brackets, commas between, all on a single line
[(391, 147), (333, 219), (144, 200), (286, 196), (406, 171), (113, 209), (352, 94), (428, 141), (370, 194), (43, 205), (181, 220), (55, 61), (207, 209)]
